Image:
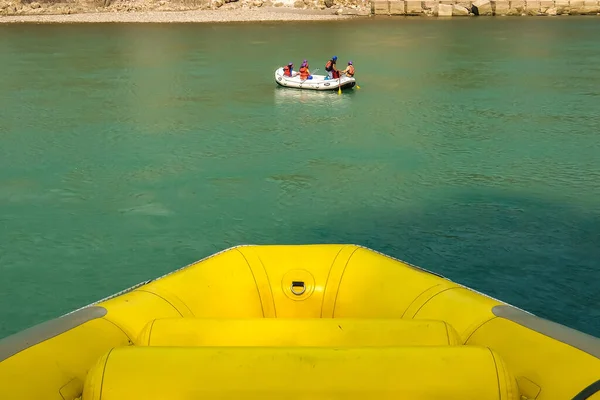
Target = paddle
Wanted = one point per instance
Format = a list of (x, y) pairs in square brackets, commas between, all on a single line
[(304, 80)]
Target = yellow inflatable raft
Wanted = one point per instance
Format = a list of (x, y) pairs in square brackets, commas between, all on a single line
[(302, 322)]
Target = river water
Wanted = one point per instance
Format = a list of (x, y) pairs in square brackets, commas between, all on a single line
[(471, 149)]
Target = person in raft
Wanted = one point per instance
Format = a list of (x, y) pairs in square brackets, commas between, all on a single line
[(349, 71), (288, 70), (304, 72), (332, 71)]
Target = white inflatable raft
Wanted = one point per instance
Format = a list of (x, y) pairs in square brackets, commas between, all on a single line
[(318, 82)]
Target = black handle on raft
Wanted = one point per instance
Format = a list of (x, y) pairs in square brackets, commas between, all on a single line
[(298, 284)]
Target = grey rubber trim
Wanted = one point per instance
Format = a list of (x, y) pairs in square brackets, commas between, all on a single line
[(588, 391), (11, 345), (582, 341)]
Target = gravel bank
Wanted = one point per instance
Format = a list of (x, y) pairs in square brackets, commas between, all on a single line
[(193, 16)]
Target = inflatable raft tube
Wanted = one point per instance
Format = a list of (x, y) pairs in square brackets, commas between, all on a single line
[(284, 332), (318, 82), (158, 373), (290, 300)]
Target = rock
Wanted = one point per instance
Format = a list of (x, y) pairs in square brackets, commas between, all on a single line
[(431, 7), (414, 7), (502, 8), (545, 5), (35, 5), (517, 7), (552, 11), (381, 7), (459, 10), (278, 4), (217, 3), (562, 6), (298, 4), (576, 7), (444, 10), (397, 7), (482, 7), (328, 3), (590, 7), (532, 7)]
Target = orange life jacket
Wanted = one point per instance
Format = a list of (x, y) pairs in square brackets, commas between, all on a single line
[(287, 71), (303, 73), (329, 65), (350, 70)]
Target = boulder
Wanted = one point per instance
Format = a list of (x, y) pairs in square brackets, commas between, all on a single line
[(545, 5), (502, 7), (328, 3), (299, 4), (562, 6), (397, 7), (532, 7), (576, 7), (552, 11), (459, 10), (431, 6), (381, 7), (590, 7), (414, 7), (482, 7), (444, 10), (517, 7)]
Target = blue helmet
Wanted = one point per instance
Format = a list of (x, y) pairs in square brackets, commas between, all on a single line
[(334, 58)]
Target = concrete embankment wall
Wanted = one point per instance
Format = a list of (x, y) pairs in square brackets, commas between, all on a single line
[(449, 8)]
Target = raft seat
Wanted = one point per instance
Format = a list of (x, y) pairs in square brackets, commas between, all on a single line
[(278, 332), (332, 373)]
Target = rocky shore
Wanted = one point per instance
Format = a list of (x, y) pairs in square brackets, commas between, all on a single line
[(180, 11), (455, 8), (69, 11)]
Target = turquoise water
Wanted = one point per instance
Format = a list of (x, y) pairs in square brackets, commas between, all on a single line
[(472, 149)]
